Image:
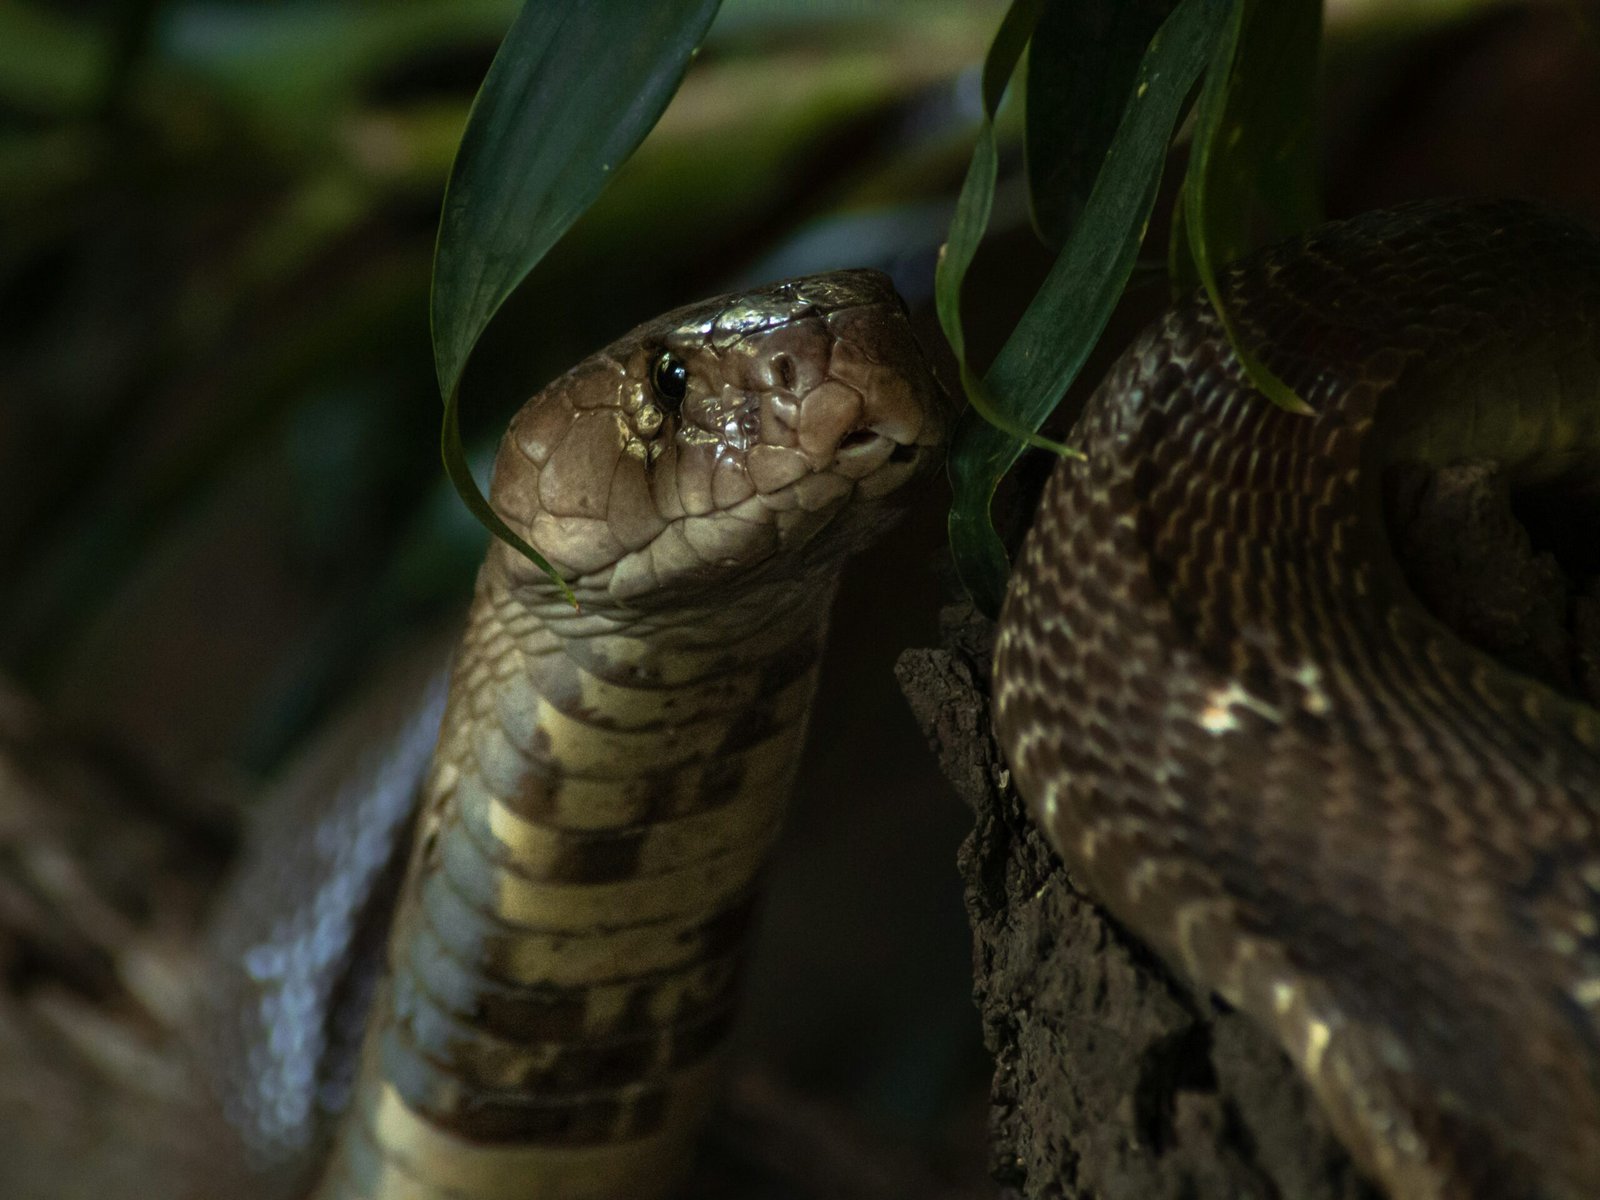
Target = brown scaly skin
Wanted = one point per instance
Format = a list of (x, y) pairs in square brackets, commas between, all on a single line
[(1243, 733), (564, 958)]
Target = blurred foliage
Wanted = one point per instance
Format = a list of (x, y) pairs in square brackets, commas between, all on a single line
[(216, 225), (216, 221)]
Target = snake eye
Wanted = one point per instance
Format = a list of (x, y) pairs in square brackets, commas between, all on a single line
[(670, 379)]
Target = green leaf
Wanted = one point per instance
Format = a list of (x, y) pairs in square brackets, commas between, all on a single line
[(571, 93), (1252, 172), (1066, 317), (1082, 64), (976, 201), (973, 207)]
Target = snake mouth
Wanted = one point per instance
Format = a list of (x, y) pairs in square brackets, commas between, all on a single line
[(866, 451), (857, 439), (869, 443)]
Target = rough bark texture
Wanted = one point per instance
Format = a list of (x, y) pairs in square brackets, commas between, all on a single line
[(1114, 1078)]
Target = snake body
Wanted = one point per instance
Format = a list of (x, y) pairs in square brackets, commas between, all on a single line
[(1240, 729), (564, 953)]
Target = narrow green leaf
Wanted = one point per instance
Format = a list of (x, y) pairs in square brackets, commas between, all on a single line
[(573, 90), (460, 473), (1083, 62), (1252, 173), (972, 211), (1065, 319)]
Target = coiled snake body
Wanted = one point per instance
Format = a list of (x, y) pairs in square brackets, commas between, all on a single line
[(1247, 737)]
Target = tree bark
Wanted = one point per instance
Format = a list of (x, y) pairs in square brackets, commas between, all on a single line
[(1114, 1078)]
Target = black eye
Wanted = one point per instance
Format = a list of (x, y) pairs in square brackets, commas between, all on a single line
[(670, 378)]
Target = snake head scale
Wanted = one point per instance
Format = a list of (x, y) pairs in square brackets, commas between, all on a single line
[(750, 438)]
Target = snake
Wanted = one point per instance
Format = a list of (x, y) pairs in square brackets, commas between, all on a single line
[(1229, 712), (1215, 688), (555, 946)]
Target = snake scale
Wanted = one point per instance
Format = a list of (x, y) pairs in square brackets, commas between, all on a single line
[(1211, 681), (608, 779), (1244, 734)]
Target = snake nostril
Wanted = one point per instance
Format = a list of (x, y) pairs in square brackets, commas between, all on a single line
[(903, 453)]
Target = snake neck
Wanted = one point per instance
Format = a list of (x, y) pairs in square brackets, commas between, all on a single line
[(565, 954)]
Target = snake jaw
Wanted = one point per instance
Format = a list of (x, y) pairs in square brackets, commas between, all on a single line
[(808, 406)]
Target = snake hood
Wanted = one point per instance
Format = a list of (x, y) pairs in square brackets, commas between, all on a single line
[(749, 439), (563, 949)]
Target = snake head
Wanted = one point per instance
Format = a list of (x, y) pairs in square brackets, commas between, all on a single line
[(755, 437)]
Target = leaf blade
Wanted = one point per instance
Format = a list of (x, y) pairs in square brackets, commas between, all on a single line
[(1082, 65), (1066, 317), (976, 200), (1252, 175), (545, 132), (571, 93)]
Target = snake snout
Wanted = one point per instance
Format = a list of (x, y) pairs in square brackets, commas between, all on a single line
[(879, 405)]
